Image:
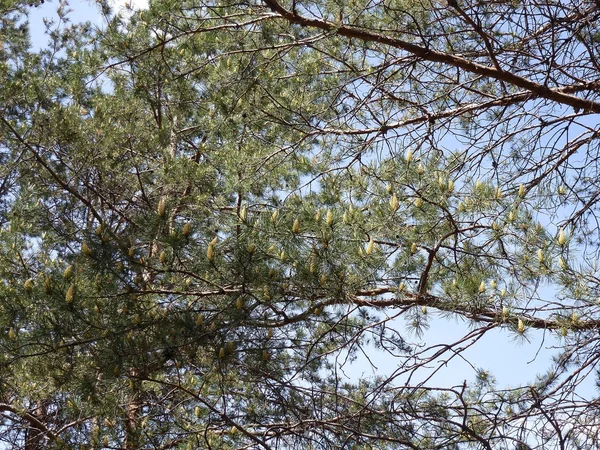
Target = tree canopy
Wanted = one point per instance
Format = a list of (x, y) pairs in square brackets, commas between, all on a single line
[(212, 211)]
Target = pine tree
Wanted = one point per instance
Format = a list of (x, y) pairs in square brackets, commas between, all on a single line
[(212, 211)]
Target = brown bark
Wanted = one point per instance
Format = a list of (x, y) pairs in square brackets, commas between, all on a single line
[(35, 437), (558, 95), (133, 413), (37, 433)]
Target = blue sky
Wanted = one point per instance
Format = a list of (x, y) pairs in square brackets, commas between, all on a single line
[(81, 11)]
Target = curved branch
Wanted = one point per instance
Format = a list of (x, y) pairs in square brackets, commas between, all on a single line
[(555, 95), (33, 421)]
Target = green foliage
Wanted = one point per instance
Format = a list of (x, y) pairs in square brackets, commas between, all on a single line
[(213, 214)]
